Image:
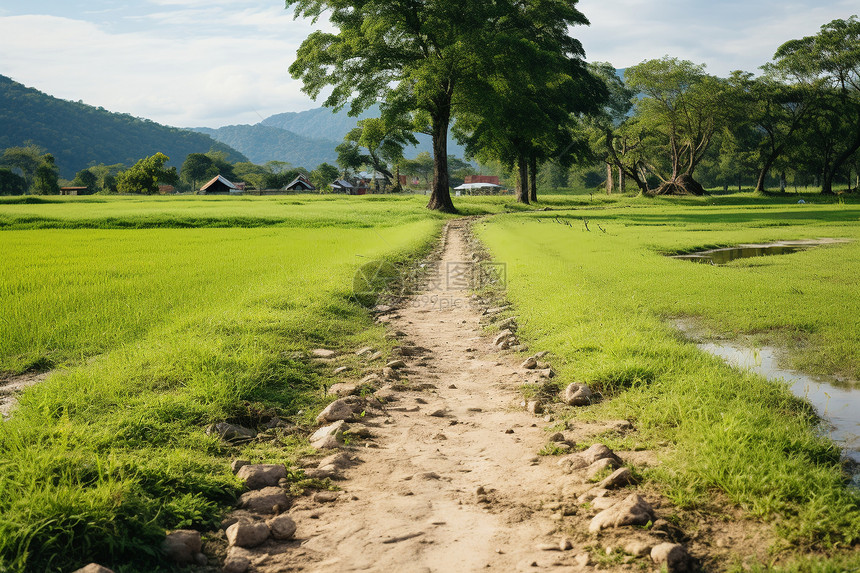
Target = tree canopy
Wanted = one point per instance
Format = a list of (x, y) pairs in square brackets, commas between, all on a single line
[(422, 58), (145, 175)]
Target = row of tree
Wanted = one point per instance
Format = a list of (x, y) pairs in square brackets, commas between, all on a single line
[(668, 117), (515, 86)]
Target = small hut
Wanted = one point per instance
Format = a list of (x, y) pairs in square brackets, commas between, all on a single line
[(342, 186), (218, 185), (300, 183)]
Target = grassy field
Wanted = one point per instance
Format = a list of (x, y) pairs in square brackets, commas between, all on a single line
[(158, 333), (600, 301), (161, 315)]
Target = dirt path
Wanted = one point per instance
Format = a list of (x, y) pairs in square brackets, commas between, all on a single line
[(453, 481), (12, 386)]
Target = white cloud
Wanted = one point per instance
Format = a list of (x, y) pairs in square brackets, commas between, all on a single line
[(203, 68), (218, 62), (725, 35)]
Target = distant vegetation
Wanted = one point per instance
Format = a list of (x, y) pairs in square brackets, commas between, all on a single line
[(79, 135)]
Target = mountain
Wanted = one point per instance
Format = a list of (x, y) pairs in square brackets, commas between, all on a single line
[(262, 143), (305, 138), (319, 123), (78, 134)]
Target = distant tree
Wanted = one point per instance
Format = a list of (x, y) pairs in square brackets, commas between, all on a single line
[(23, 160), (221, 162), (145, 175), (831, 59), (252, 173), (45, 180), (86, 178), (197, 169), (376, 142), (323, 175), (106, 176), (11, 183), (684, 107), (422, 166), (616, 139), (275, 166)]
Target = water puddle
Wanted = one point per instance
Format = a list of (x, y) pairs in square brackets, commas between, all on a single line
[(723, 256), (838, 407)]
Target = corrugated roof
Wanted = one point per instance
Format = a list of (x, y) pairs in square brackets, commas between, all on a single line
[(218, 178)]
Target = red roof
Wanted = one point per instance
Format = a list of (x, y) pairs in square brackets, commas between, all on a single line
[(493, 179)]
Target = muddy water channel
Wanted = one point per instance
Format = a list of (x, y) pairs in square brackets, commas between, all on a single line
[(838, 407)]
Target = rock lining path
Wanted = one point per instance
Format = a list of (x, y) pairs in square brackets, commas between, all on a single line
[(453, 481)]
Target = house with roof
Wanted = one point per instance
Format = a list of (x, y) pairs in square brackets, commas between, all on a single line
[(300, 184), (342, 186), (218, 185)]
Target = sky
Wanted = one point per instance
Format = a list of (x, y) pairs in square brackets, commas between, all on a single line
[(209, 63)]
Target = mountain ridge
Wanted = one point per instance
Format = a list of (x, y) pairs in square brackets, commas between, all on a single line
[(78, 134)]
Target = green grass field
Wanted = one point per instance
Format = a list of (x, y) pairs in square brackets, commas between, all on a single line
[(600, 301), (158, 333), (161, 315)]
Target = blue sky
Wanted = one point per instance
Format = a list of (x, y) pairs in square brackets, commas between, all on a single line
[(219, 62)]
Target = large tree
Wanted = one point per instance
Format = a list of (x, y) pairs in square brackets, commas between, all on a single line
[(145, 175), (831, 58), (522, 110), (687, 108), (418, 58)]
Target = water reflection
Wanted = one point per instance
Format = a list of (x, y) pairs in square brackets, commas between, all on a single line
[(839, 407)]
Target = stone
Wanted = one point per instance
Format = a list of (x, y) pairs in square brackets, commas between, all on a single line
[(330, 436), (236, 465), (509, 323), (375, 356), (365, 350), (337, 410), (437, 413), (247, 534), (340, 370), (548, 547), (633, 510), (502, 337), (598, 452), (637, 548), (541, 354), (201, 559), (673, 555), (577, 395), (343, 389), (583, 559), (230, 432), (264, 500), (619, 478), (546, 373), (557, 437), (390, 374), (534, 407), (529, 363), (258, 476), (372, 378), (282, 527), (385, 394), (565, 544), (322, 472), (235, 564), (395, 364), (601, 466), (323, 353), (325, 496), (181, 546), (572, 462), (601, 503), (360, 431), (93, 568)]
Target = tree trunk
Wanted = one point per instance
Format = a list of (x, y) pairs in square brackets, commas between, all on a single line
[(522, 179), (533, 178), (768, 163), (440, 197), (622, 181), (609, 182), (782, 182)]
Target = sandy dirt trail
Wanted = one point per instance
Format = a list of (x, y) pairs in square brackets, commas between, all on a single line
[(413, 504)]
